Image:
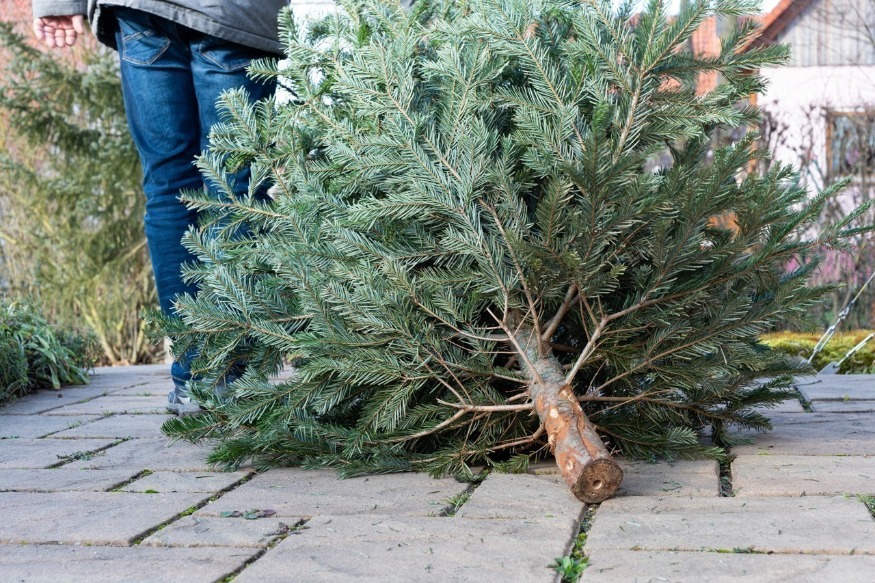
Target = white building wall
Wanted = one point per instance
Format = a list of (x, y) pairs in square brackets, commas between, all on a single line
[(832, 70), (799, 97), (833, 32)]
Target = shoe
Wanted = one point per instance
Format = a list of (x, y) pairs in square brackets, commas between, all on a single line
[(180, 404)]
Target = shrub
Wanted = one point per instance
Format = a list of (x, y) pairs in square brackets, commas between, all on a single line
[(70, 195), (35, 354), (801, 345)]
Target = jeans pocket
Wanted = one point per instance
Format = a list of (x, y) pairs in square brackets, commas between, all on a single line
[(227, 55), (142, 43)]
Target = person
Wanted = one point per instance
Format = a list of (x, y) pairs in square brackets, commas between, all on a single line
[(177, 57)]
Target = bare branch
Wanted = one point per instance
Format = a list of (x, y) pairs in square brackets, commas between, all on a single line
[(488, 408), (530, 439), (436, 428), (556, 320), (522, 353), (587, 351)]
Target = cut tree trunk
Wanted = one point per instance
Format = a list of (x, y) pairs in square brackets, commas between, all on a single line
[(584, 461)]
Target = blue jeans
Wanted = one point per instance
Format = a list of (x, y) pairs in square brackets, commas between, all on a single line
[(171, 78)]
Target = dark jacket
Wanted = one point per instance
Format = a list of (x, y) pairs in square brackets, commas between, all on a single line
[(252, 23)]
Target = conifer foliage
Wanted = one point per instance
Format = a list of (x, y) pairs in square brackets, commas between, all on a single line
[(465, 224)]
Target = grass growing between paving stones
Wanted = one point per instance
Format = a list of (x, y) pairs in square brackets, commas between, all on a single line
[(73, 425), (188, 511), (726, 490), (455, 502), (84, 455), (129, 481), (806, 404), (869, 501), (571, 566), (739, 551), (282, 534)]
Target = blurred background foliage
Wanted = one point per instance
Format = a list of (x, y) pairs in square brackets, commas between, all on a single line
[(71, 206), (801, 345), (34, 354)]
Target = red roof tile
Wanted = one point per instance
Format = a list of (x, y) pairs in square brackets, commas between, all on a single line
[(774, 23)]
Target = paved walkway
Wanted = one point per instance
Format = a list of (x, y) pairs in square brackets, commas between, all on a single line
[(90, 491)]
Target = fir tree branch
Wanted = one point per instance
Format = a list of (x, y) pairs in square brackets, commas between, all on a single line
[(441, 380), (525, 441), (425, 433), (588, 349), (533, 309), (488, 408), (630, 120), (556, 320), (524, 42), (521, 352)]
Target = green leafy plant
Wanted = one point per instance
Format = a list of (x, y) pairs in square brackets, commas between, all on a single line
[(571, 566), (70, 196), (467, 230), (35, 354)]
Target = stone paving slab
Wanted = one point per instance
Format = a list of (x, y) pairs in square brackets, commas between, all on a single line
[(150, 389), (115, 383), (835, 379), (687, 567), (388, 549), (119, 377), (119, 426), (62, 480), (817, 417), (677, 478), (132, 370), (61, 563), (122, 380), (148, 454), (815, 434), (521, 496), (850, 406), (208, 531), (165, 482), (640, 478), (824, 392), (107, 405), (788, 475), (101, 518), (298, 493), (33, 426), (45, 401), (809, 525), (838, 387), (788, 406), (42, 453)]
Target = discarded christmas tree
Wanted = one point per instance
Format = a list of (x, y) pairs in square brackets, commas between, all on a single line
[(469, 258)]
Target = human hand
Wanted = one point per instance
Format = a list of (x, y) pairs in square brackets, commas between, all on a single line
[(58, 31)]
